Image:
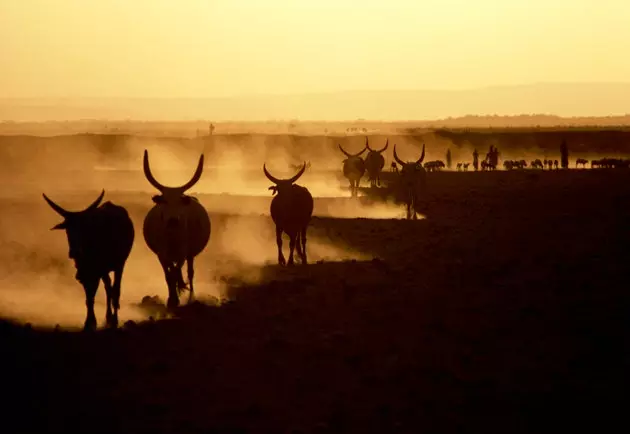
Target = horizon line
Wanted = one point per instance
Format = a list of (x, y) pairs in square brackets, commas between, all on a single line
[(328, 92)]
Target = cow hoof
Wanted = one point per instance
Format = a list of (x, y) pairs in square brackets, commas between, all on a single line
[(172, 302), (112, 321), (89, 326)]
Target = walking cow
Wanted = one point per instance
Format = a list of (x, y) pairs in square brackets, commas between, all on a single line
[(291, 211), (413, 182), (100, 240), (176, 229), (374, 163), (353, 169)]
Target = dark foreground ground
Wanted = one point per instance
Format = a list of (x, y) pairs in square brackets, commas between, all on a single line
[(505, 311)]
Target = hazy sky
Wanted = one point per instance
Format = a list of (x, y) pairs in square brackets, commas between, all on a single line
[(79, 48)]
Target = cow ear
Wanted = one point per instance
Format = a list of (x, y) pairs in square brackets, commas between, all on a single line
[(186, 200), (61, 225), (157, 199)]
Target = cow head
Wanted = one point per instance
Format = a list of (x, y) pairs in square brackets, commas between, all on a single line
[(410, 171), (282, 185), (172, 200), (376, 151), (78, 227), (350, 156)]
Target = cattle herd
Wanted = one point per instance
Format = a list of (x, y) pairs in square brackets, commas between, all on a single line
[(177, 228)]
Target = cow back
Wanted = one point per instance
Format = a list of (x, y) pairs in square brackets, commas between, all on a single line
[(374, 163), (104, 240), (188, 238), (292, 210), (354, 168)]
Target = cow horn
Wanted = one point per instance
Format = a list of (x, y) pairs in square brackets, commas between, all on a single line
[(196, 176), (367, 145), (149, 175), (290, 180), (398, 160), (62, 212), (351, 155), (297, 175), (270, 176), (96, 203), (160, 187), (384, 147), (421, 156), (65, 213)]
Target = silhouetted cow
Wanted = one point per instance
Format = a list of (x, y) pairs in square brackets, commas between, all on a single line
[(413, 182), (99, 240), (353, 169), (176, 229), (291, 211), (374, 163)]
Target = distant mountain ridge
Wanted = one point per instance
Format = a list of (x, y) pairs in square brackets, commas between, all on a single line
[(561, 99)]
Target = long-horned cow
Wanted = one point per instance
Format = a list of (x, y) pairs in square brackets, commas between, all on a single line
[(291, 211), (413, 182), (176, 229), (353, 169), (374, 163), (100, 239)]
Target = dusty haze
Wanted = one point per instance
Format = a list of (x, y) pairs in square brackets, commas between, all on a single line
[(37, 277)]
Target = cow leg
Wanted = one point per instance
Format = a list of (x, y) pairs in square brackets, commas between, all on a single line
[(181, 285), (298, 245), (116, 294), (292, 240), (107, 282), (191, 273), (303, 245), (90, 293), (171, 281), (281, 259)]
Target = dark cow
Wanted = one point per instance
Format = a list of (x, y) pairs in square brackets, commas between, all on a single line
[(413, 182), (291, 211), (353, 169), (176, 229), (374, 163), (100, 240)]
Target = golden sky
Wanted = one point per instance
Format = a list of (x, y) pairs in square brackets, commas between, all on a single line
[(182, 48)]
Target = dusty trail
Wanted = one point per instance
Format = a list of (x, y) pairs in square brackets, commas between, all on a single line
[(504, 311)]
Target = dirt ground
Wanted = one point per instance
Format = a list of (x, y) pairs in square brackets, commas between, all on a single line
[(505, 310)]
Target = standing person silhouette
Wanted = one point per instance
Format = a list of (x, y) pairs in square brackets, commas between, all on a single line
[(476, 159), (564, 155)]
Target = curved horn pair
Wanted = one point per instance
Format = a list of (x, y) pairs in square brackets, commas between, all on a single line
[(381, 151), (147, 173), (278, 181), (402, 163), (347, 154), (65, 213)]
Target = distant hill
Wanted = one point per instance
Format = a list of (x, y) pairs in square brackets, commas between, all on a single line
[(560, 99)]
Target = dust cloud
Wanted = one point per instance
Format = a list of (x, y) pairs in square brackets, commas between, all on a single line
[(37, 277)]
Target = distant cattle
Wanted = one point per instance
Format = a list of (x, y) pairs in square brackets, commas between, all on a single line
[(100, 239), (374, 163), (353, 169), (434, 166), (412, 180)]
